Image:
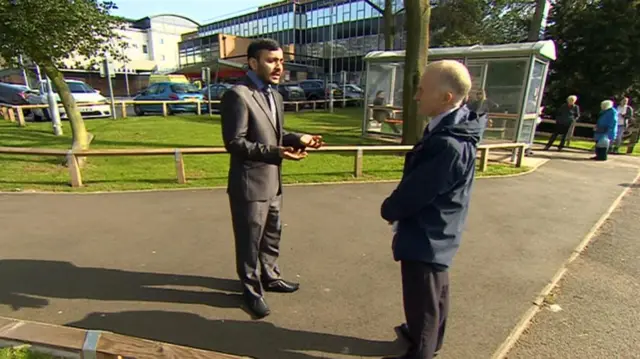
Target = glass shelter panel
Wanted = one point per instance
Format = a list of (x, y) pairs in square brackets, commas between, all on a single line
[(504, 85), (535, 87), (532, 103), (384, 98)]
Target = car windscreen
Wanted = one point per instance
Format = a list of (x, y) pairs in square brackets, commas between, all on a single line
[(184, 88), (79, 87), (74, 87)]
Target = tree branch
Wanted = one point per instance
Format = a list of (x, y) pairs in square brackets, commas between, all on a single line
[(378, 8)]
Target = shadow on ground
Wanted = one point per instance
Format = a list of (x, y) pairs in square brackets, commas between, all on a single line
[(574, 156), (27, 284), (258, 339), (23, 283), (630, 185)]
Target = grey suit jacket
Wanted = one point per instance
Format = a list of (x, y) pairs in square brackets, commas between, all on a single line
[(253, 142)]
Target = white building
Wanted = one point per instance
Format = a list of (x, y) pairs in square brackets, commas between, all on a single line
[(152, 44)]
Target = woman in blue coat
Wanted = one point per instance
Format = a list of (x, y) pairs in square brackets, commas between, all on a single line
[(606, 129)]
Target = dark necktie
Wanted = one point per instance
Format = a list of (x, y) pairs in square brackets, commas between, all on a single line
[(272, 104)]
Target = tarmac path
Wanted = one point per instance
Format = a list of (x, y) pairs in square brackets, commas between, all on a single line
[(160, 265), (600, 316)]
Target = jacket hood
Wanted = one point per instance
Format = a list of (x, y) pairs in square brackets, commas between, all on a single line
[(465, 124)]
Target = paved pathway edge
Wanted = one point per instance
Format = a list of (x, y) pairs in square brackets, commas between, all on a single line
[(525, 320)]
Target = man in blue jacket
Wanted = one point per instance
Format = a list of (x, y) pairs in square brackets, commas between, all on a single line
[(429, 207)]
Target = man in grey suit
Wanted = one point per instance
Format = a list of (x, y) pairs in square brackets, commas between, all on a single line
[(252, 128)]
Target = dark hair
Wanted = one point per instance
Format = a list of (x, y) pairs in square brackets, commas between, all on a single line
[(253, 51)]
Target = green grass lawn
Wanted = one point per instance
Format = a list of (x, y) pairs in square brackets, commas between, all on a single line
[(22, 353), (19, 173)]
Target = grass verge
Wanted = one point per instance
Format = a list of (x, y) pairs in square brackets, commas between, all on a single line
[(19, 173)]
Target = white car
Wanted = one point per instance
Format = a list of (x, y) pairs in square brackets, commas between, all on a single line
[(81, 92)]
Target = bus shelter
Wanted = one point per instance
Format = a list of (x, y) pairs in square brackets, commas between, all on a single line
[(507, 83)]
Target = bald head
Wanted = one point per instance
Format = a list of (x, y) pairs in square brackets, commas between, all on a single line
[(444, 85)]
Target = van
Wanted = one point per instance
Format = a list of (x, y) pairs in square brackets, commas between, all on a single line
[(168, 78)]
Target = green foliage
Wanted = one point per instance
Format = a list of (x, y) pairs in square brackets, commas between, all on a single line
[(22, 352), (48, 31), (468, 22), (598, 53)]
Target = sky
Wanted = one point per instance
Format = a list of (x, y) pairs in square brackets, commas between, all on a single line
[(202, 11)]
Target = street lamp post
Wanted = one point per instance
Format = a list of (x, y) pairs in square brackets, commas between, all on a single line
[(331, 63)]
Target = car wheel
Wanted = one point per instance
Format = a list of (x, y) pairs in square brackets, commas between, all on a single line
[(138, 111)]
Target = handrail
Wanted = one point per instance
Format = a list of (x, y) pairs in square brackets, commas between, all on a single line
[(178, 153)]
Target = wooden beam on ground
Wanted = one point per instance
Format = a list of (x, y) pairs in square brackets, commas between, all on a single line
[(129, 347), (95, 344), (33, 151)]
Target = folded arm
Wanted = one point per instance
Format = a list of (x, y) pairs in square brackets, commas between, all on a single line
[(235, 125), (435, 175)]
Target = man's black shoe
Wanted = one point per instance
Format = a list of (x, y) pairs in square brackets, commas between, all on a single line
[(257, 306), (281, 286)]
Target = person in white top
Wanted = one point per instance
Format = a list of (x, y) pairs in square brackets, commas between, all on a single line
[(625, 115)]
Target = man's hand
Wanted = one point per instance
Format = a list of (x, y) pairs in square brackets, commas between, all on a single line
[(289, 153), (313, 141)]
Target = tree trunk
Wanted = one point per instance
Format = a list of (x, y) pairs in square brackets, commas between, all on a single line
[(81, 138), (536, 23), (389, 25), (417, 13)]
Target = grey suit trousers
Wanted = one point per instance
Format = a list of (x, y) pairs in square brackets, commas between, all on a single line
[(257, 229)]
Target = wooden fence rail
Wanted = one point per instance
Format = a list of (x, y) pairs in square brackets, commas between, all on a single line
[(75, 173), (16, 113), (80, 343)]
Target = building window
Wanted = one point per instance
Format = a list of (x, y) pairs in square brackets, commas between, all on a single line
[(163, 57), (145, 49), (161, 41)]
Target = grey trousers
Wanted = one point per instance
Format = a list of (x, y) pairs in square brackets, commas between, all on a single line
[(257, 229)]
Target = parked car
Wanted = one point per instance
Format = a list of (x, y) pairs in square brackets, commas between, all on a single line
[(82, 93), (217, 90), (168, 91), (291, 92), (352, 92), (12, 94), (316, 90)]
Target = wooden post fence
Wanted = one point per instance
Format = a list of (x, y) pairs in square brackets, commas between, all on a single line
[(75, 173)]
